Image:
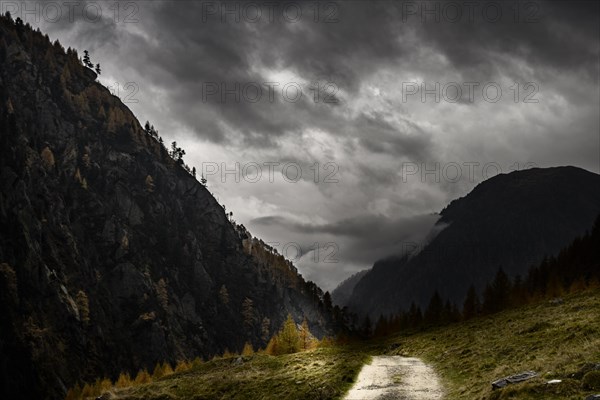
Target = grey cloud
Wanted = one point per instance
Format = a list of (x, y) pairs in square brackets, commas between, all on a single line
[(379, 136), (181, 60), (171, 53), (559, 37), (359, 241), (183, 53), (368, 231)]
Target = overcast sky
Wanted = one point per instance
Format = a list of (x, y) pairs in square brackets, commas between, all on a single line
[(334, 91)]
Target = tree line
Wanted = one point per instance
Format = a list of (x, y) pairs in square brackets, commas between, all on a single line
[(574, 269), (175, 152), (291, 338)]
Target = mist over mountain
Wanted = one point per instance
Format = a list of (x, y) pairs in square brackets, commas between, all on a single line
[(511, 221), (113, 255), (343, 291)]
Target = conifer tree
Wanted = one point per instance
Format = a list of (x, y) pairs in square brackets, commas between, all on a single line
[(502, 287), (248, 313), (489, 302), (381, 327), (223, 295), (167, 369), (472, 305), (149, 184), (305, 336), (143, 377), (288, 340), (86, 59), (84, 307), (124, 380), (497, 294), (367, 326), (415, 316), (433, 313), (265, 329), (248, 349), (327, 303)]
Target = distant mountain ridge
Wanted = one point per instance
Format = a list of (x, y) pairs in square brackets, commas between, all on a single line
[(510, 221), (112, 256)]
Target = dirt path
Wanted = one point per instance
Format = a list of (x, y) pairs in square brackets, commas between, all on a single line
[(396, 377)]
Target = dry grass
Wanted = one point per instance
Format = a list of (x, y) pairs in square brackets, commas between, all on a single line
[(557, 341), (323, 373), (554, 340)]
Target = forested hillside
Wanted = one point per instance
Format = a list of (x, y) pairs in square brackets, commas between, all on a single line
[(113, 255)]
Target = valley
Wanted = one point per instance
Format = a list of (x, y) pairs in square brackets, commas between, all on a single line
[(125, 275), (558, 340)]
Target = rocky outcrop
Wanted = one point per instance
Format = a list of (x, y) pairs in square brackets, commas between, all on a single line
[(113, 256)]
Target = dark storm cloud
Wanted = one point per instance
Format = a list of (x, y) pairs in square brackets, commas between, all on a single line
[(230, 53), (186, 56), (367, 35), (542, 41), (62, 18), (176, 55), (182, 49), (560, 35), (379, 136)]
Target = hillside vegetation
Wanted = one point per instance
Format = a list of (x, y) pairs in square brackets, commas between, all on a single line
[(113, 255), (557, 339), (323, 373)]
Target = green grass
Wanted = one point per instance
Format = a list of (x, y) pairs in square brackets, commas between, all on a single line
[(324, 373), (554, 340)]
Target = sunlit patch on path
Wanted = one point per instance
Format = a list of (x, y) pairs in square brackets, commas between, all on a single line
[(396, 377)]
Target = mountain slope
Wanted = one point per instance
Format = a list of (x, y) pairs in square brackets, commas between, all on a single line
[(510, 221), (113, 256), (342, 293), (556, 337), (558, 341)]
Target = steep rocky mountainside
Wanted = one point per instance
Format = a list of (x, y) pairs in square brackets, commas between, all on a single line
[(510, 221), (112, 255)]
